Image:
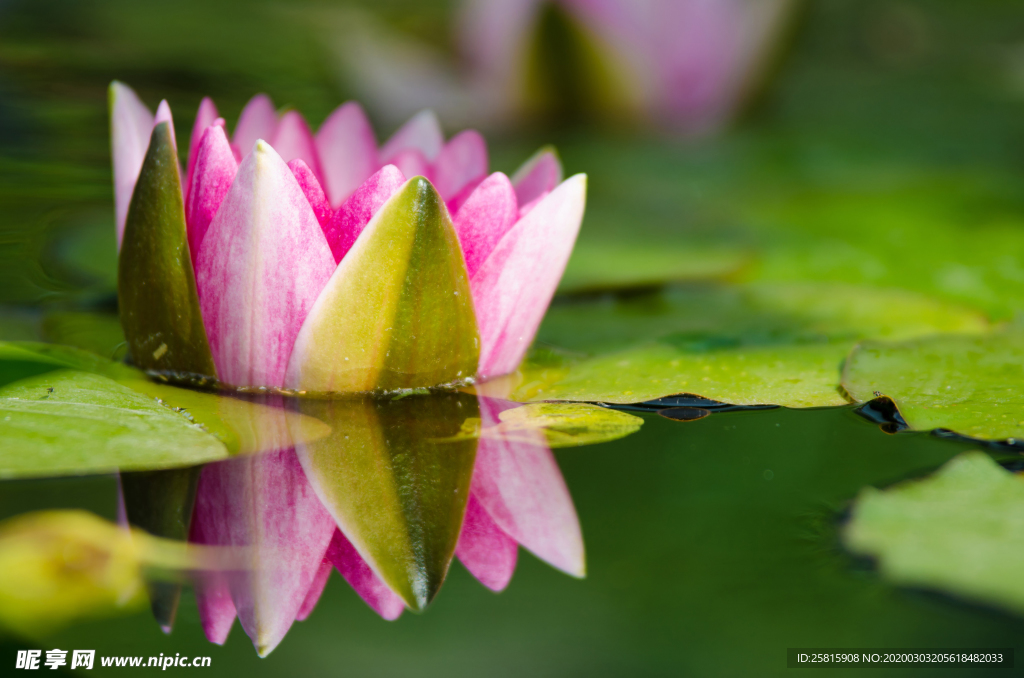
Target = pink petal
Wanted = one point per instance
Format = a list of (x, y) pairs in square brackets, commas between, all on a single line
[(258, 120), (461, 162), (163, 114), (422, 132), (311, 188), (213, 596), (261, 266), (522, 489), (216, 609), (316, 589), (412, 163), (131, 124), (212, 174), (538, 176), (348, 151), (264, 507), (487, 552), (206, 116), (357, 210), (456, 202), (513, 287), (528, 207), (293, 140), (360, 577), (485, 218)]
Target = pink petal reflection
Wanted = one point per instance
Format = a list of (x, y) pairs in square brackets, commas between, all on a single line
[(486, 551), (360, 577), (264, 507), (521, 487)]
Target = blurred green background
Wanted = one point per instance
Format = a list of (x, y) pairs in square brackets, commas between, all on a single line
[(892, 127)]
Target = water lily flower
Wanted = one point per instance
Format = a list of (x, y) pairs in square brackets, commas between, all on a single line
[(311, 262), (688, 65), (324, 262)]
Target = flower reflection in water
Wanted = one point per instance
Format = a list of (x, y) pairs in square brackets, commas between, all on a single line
[(387, 498)]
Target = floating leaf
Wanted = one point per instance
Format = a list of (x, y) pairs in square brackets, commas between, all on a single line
[(397, 313), (973, 385), (64, 422), (561, 424), (396, 492), (957, 531), (758, 344), (156, 286), (64, 410)]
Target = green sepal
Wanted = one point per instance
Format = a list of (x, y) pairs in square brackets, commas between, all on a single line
[(156, 286), (398, 311)]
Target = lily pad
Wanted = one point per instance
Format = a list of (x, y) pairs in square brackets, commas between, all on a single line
[(67, 411), (562, 424), (745, 345), (957, 531), (973, 385), (65, 421)]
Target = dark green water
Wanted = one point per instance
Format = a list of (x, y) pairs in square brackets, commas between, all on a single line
[(711, 547)]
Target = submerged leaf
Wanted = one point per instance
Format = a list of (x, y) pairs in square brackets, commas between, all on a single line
[(397, 313), (397, 494), (156, 286), (973, 385), (957, 531), (750, 345)]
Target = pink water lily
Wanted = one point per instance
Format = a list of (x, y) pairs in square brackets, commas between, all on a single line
[(326, 262), (280, 258)]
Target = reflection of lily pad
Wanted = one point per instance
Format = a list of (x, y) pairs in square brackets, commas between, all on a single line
[(563, 425), (777, 344), (66, 411), (973, 385), (957, 531)]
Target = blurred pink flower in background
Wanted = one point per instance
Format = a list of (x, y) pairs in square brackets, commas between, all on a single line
[(685, 65)]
